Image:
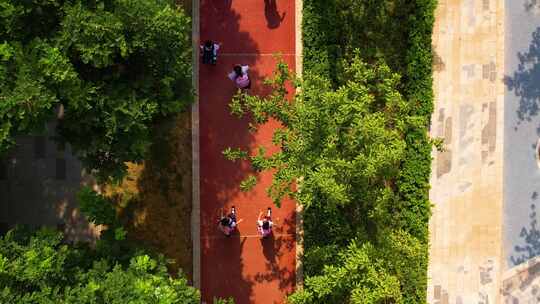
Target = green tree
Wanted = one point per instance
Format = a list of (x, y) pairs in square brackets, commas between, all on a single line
[(112, 67), (38, 268), (342, 147), (340, 154)]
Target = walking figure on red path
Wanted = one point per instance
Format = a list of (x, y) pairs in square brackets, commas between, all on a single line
[(227, 224), (264, 226), (209, 51), (240, 77)]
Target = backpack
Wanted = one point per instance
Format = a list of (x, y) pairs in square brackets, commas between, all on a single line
[(208, 55), (242, 81)]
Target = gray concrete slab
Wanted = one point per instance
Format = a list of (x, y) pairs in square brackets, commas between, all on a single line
[(522, 131), (39, 186)]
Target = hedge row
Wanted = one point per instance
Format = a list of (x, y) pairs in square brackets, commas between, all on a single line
[(399, 33), (413, 183)]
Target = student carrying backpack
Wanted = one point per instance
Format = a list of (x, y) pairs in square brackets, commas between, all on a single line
[(209, 52), (227, 224)]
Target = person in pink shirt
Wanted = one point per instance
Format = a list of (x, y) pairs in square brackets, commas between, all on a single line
[(264, 226), (240, 77)]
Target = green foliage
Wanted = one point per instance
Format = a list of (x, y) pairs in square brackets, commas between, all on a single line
[(370, 273), (248, 184), (344, 149), (346, 144), (224, 301), (114, 66), (26, 101), (413, 182), (95, 207), (234, 154), (332, 30), (37, 268), (100, 210)]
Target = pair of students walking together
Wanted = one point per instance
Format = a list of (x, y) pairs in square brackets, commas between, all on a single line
[(239, 74), (227, 224)]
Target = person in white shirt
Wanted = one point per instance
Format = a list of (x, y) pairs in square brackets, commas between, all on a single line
[(264, 226)]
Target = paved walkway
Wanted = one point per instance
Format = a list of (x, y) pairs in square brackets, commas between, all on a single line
[(467, 179), (485, 239), (243, 266), (521, 282)]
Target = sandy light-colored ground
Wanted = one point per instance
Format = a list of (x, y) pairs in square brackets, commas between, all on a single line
[(466, 237), (485, 240)]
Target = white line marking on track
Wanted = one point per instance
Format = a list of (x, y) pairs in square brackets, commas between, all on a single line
[(255, 54), (246, 236)]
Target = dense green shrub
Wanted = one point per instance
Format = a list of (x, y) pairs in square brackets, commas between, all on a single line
[(333, 30), (38, 268), (398, 33), (413, 182)]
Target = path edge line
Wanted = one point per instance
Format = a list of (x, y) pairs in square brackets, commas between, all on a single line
[(196, 199), (299, 5)]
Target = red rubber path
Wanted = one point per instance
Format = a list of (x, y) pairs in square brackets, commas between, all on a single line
[(243, 267)]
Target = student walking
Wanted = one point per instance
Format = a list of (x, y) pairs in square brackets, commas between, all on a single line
[(240, 76), (264, 226), (227, 224), (209, 51)]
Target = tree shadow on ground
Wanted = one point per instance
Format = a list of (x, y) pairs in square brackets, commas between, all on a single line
[(525, 80), (155, 199), (272, 15), (531, 237), (38, 186), (525, 281), (531, 5)]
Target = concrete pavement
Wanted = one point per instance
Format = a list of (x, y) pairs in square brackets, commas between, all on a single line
[(485, 240), (467, 178)]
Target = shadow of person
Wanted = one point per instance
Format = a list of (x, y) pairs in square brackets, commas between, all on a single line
[(269, 251), (273, 18), (276, 271), (226, 268)]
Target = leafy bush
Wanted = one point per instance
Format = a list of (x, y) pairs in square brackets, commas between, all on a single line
[(96, 208), (398, 33), (36, 267)]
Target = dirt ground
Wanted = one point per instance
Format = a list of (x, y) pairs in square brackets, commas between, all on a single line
[(154, 200)]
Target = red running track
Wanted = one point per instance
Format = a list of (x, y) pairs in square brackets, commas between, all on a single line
[(243, 267)]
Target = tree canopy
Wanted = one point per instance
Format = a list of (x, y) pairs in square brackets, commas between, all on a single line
[(110, 67), (340, 154), (38, 268), (342, 147)]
